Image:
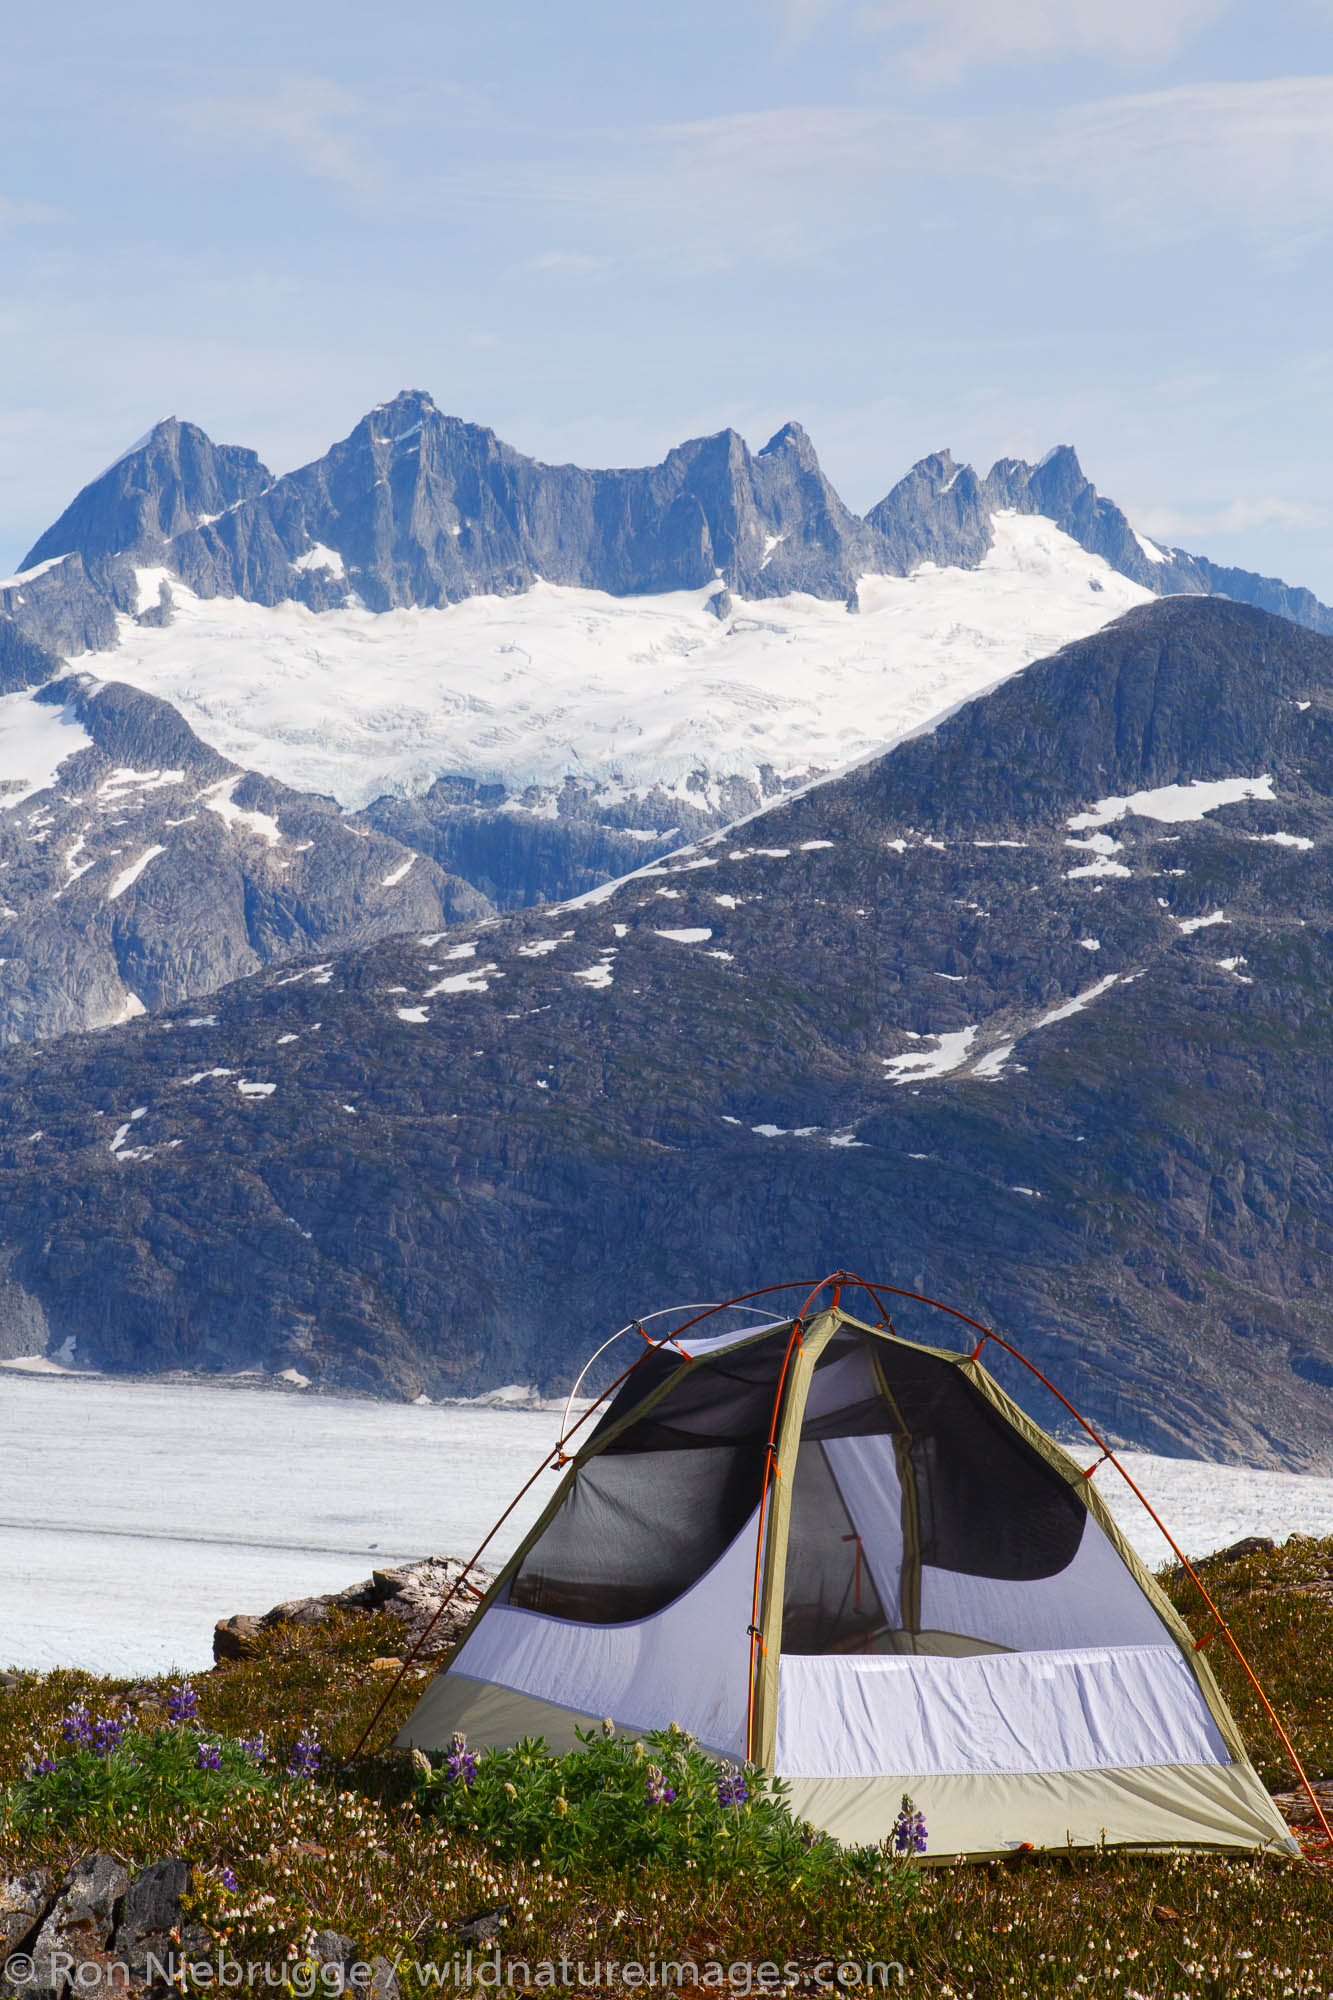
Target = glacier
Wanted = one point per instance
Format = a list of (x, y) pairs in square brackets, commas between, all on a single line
[(683, 690), (279, 1493)]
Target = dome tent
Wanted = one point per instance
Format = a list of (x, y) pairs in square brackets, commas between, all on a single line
[(852, 1559)]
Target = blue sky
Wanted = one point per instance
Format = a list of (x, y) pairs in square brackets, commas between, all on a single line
[(991, 224)]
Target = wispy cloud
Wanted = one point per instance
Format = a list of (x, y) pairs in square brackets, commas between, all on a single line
[(1255, 156), (781, 186), (769, 187), (937, 41), (1237, 517), (15, 214), (320, 125)]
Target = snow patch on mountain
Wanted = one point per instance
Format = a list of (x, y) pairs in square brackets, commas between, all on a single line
[(1176, 804), (218, 798), (318, 557), (950, 1053), (129, 876), (35, 739), (643, 691), (31, 575)]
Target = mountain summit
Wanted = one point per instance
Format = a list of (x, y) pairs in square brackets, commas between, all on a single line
[(415, 507)]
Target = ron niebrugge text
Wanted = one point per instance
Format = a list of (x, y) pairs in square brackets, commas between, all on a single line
[(311, 1979)]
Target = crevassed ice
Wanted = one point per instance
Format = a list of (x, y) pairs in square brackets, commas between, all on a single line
[(526, 689)]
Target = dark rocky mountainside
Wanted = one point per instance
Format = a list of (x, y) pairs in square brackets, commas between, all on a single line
[(150, 870), (418, 508), (517, 852), (1072, 1077)]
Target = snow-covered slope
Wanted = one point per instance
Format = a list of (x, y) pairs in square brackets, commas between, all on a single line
[(623, 693)]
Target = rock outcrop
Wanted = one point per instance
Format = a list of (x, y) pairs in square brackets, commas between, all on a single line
[(147, 869), (96, 1930), (432, 1600)]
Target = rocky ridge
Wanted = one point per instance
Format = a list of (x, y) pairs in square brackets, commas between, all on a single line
[(415, 507), (146, 869)]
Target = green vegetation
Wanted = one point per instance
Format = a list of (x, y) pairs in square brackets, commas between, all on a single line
[(400, 1861), (635, 1803)]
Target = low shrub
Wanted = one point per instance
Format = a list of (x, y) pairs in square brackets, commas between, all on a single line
[(635, 1802), (98, 1766)]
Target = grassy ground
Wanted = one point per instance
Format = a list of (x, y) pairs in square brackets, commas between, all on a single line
[(351, 1853)]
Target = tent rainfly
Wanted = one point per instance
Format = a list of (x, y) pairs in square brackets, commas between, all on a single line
[(853, 1560)]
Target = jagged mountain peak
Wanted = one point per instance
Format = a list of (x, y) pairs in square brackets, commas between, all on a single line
[(791, 437), (159, 489), (417, 507), (407, 399)]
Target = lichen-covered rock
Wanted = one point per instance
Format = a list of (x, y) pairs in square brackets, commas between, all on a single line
[(23, 1901)]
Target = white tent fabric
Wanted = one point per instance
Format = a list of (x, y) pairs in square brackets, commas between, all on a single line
[(853, 1717), (1094, 1602), (689, 1663)]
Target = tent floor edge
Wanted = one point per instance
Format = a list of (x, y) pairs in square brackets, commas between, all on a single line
[(982, 1816), (976, 1817), (494, 1717)]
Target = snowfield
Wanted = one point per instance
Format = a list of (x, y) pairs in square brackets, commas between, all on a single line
[(628, 692), (134, 1515), (35, 740)]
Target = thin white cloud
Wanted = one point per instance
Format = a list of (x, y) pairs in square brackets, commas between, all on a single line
[(770, 187), (779, 186), (319, 124), (15, 214), (1255, 156), (937, 41), (1237, 517)]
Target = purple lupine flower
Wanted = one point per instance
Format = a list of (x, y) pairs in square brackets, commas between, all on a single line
[(108, 1731), (460, 1766), (182, 1702), (304, 1760), (732, 1790), (76, 1725), (208, 1757), (227, 1879), (660, 1793), (255, 1746), (908, 1833), (42, 1763)]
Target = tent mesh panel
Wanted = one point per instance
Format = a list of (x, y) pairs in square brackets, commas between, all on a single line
[(983, 1502), (661, 1502)]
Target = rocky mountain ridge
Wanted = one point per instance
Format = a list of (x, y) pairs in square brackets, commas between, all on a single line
[(1031, 1014), (139, 868), (539, 753), (415, 507)]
